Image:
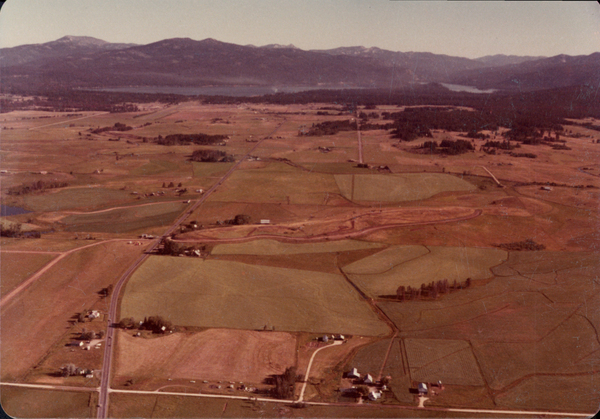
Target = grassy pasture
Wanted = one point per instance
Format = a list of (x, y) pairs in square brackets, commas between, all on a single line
[(210, 169), (17, 267), (552, 392), (292, 187), (211, 293), (369, 359), (398, 188), (452, 263), (125, 219), (450, 361), (385, 259), (155, 167), (75, 198), (274, 247), (21, 402)]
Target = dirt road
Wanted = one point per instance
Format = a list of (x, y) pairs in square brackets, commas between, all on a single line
[(327, 236), (49, 265)]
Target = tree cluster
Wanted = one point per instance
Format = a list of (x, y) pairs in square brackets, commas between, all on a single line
[(156, 324), (239, 219), (186, 139), (528, 244), (212, 156), (431, 290), (527, 155), (117, 127), (329, 128), (448, 147), (38, 186), (284, 384), (71, 100), (502, 145), (173, 248)]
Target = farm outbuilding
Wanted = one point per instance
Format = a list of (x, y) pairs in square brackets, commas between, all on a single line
[(353, 373), (374, 395), (368, 379)]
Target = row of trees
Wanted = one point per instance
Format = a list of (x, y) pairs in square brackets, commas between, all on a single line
[(431, 290), (186, 139), (37, 186), (117, 127)]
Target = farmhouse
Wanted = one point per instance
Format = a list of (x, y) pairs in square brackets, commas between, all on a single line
[(422, 388)]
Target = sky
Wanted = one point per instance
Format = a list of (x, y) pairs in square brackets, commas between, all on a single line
[(465, 29)]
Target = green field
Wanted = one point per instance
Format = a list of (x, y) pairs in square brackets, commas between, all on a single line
[(209, 293), (398, 188), (126, 219), (155, 167), (210, 169), (274, 247), (450, 361), (17, 267), (295, 187), (33, 403), (75, 198), (369, 359), (401, 265), (386, 259)]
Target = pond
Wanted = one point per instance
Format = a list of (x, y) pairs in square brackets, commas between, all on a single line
[(6, 210)]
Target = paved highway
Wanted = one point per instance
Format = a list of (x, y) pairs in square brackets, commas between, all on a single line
[(112, 314)]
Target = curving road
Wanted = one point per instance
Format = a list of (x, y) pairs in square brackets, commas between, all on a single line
[(329, 236), (335, 343)]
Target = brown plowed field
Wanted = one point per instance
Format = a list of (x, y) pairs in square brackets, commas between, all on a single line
[(215, 354)]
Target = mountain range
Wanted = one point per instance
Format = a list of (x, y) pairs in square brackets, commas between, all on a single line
[(86, 62)]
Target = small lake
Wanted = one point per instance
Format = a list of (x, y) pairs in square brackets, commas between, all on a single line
[(6, 210), (469, 89), (234, 91)]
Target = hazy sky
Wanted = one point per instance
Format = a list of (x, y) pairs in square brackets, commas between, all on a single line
[(467, 29)]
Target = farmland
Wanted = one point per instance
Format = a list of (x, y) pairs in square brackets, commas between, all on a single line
[(412, 266), (321, 249), (211, 293)]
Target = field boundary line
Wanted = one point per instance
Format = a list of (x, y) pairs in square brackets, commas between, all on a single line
[(387, 354), (50, 387), (398, 264), (68, 120), (124, 207)]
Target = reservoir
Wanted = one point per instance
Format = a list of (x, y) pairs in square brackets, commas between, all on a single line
[(6, 210), (469, 89)]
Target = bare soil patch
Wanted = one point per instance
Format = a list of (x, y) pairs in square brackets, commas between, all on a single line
[(215, 354)]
